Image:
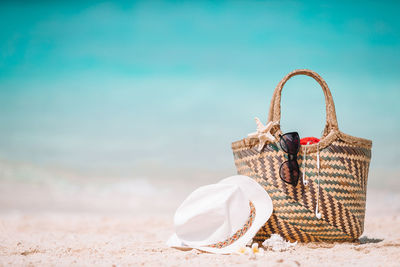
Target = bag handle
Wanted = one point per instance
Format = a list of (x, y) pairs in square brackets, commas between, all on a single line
[(275, 106)]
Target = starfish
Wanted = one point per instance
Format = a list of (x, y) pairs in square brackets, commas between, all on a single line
[(263, 133)]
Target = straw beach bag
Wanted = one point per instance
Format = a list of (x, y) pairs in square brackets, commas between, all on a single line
[(337, 189)]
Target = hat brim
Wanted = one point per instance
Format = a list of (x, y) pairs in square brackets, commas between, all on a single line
[(263, 206)]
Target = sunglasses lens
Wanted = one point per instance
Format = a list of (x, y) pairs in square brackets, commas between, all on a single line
[(289, 172), (290, 143)]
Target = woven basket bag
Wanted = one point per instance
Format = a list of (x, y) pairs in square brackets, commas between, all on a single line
[(344, 164)]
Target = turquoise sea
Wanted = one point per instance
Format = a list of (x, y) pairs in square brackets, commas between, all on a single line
[(160, 89)]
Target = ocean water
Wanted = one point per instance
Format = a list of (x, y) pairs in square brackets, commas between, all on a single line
[(159, 89)]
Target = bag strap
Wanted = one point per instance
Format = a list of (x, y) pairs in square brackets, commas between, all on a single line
[(275, 106)]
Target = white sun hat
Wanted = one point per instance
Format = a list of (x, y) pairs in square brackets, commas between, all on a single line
[(222, 217)]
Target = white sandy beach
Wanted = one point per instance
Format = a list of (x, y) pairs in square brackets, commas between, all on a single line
[(113, 112), (119, 226)]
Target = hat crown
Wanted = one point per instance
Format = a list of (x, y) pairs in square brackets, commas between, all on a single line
[(211, 214)]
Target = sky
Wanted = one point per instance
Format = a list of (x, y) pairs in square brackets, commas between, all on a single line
[(148, 87)]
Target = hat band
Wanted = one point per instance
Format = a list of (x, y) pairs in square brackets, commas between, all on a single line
[(240, 232)]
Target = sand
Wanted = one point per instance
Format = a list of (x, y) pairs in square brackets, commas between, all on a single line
[(46, 226)]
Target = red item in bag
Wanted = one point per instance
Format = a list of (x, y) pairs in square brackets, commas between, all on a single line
[(309, 140)]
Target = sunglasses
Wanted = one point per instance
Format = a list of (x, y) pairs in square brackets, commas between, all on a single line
[(289, 170)]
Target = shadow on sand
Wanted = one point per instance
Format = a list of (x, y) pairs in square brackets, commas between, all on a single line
[(367, 240)]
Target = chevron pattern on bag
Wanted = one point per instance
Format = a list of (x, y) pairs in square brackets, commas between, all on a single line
[(343, 180)]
